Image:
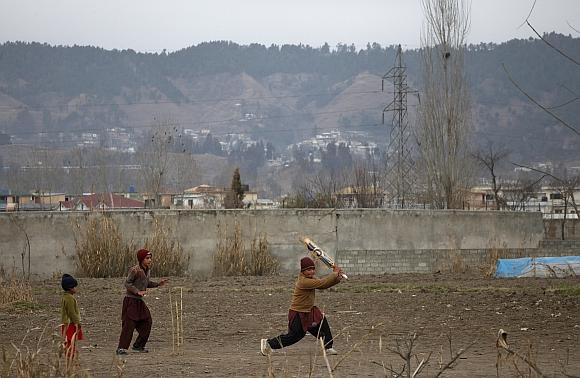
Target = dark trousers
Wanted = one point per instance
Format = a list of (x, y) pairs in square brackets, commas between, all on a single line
[(296, 333), (143, 328), (135, 316)]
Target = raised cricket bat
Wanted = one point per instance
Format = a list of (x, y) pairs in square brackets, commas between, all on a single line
[(321, 255)]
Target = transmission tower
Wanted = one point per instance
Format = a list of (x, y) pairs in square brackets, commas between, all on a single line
[(400, 165)]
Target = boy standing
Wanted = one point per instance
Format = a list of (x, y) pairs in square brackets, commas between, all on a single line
[(303, 315), (135, 313), (70, 316)]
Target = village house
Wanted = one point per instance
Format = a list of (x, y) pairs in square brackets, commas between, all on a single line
[(32, 201), (101, 201)]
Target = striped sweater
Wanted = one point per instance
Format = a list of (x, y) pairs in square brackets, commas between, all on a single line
[(138, 280)]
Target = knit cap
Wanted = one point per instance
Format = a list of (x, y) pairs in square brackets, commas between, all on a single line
[(305, 263), (68, 282), (142, 253)]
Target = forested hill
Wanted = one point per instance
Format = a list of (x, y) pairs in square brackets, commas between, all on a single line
[(60, 88)]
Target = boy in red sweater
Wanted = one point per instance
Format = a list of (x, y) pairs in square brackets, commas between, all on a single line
[(135, 313), (303, 315)]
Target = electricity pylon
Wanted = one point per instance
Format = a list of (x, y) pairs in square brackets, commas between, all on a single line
[(400, 164)]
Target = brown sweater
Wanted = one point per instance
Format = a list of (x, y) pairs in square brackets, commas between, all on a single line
[(138, 280), (304, 290)]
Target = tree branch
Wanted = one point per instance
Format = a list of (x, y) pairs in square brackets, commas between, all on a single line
[(537, 103), (552, 46), (459, 353)]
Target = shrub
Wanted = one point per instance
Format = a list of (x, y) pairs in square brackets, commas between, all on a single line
[(262, 261), (100, 249), (233, 259), (102, 252), (168, 256)]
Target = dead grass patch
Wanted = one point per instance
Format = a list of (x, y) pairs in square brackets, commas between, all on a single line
[(168, 255), (232, 257), (101, 250), (44, 358), (14, 291)]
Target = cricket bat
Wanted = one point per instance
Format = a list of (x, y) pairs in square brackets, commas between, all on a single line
[(321, 255)]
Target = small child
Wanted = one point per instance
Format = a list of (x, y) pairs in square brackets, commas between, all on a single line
[(70, 316), (303, 315)]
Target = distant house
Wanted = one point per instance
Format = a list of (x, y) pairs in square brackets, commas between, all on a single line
[(266, 204), (165, 200), (250, 199), (210, 197), (547, 200), (193, 201), (8, 202), (356, 197), (101, 201), (201, 197), (480, 197), (33, 201)]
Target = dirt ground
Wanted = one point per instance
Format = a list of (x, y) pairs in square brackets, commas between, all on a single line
[(224, 320)]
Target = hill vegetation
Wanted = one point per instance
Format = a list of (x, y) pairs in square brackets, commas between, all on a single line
[(278, 95)]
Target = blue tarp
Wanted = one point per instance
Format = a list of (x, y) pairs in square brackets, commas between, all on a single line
[(563, 266)]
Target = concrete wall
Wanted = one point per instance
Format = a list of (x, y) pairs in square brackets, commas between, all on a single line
[(431, 260), (342, 233), (554, 227)]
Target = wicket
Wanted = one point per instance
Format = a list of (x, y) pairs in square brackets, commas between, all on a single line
[(176, 309)]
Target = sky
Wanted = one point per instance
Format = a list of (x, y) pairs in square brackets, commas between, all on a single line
[(157, 25)]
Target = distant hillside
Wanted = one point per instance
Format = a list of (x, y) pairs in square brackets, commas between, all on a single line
[(278, 93)]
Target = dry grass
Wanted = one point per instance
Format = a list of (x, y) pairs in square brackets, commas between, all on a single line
[(100, 249), (168, 255), (43, 359), (14, 290), (230, 257), (102, 252), (233, 259), (408, 363), (262, 263), (488, 269), (458, 263)]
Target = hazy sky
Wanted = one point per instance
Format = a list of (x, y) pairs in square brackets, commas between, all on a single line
[(154, 25)]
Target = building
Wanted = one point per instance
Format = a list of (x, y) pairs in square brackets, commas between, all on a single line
[(101, 201), (32, 201)]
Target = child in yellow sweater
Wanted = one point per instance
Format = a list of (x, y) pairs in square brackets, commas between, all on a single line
[(303, 315), (70, 316)]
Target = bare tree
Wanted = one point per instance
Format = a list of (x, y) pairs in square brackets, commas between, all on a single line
[(154, 159), (317, 191), (46, 174), (184, 172), (77, 168), (444, 120), (489, 158), (516, 194), (366, 185)]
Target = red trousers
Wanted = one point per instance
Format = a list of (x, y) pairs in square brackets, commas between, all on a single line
[(70, 333)]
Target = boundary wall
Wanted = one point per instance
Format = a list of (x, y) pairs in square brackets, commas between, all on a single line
[(361, 240)]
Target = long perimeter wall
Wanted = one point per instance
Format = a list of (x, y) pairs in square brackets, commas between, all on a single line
[(363, 241)]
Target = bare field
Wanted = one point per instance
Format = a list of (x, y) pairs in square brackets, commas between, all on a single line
[(224, 320)]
